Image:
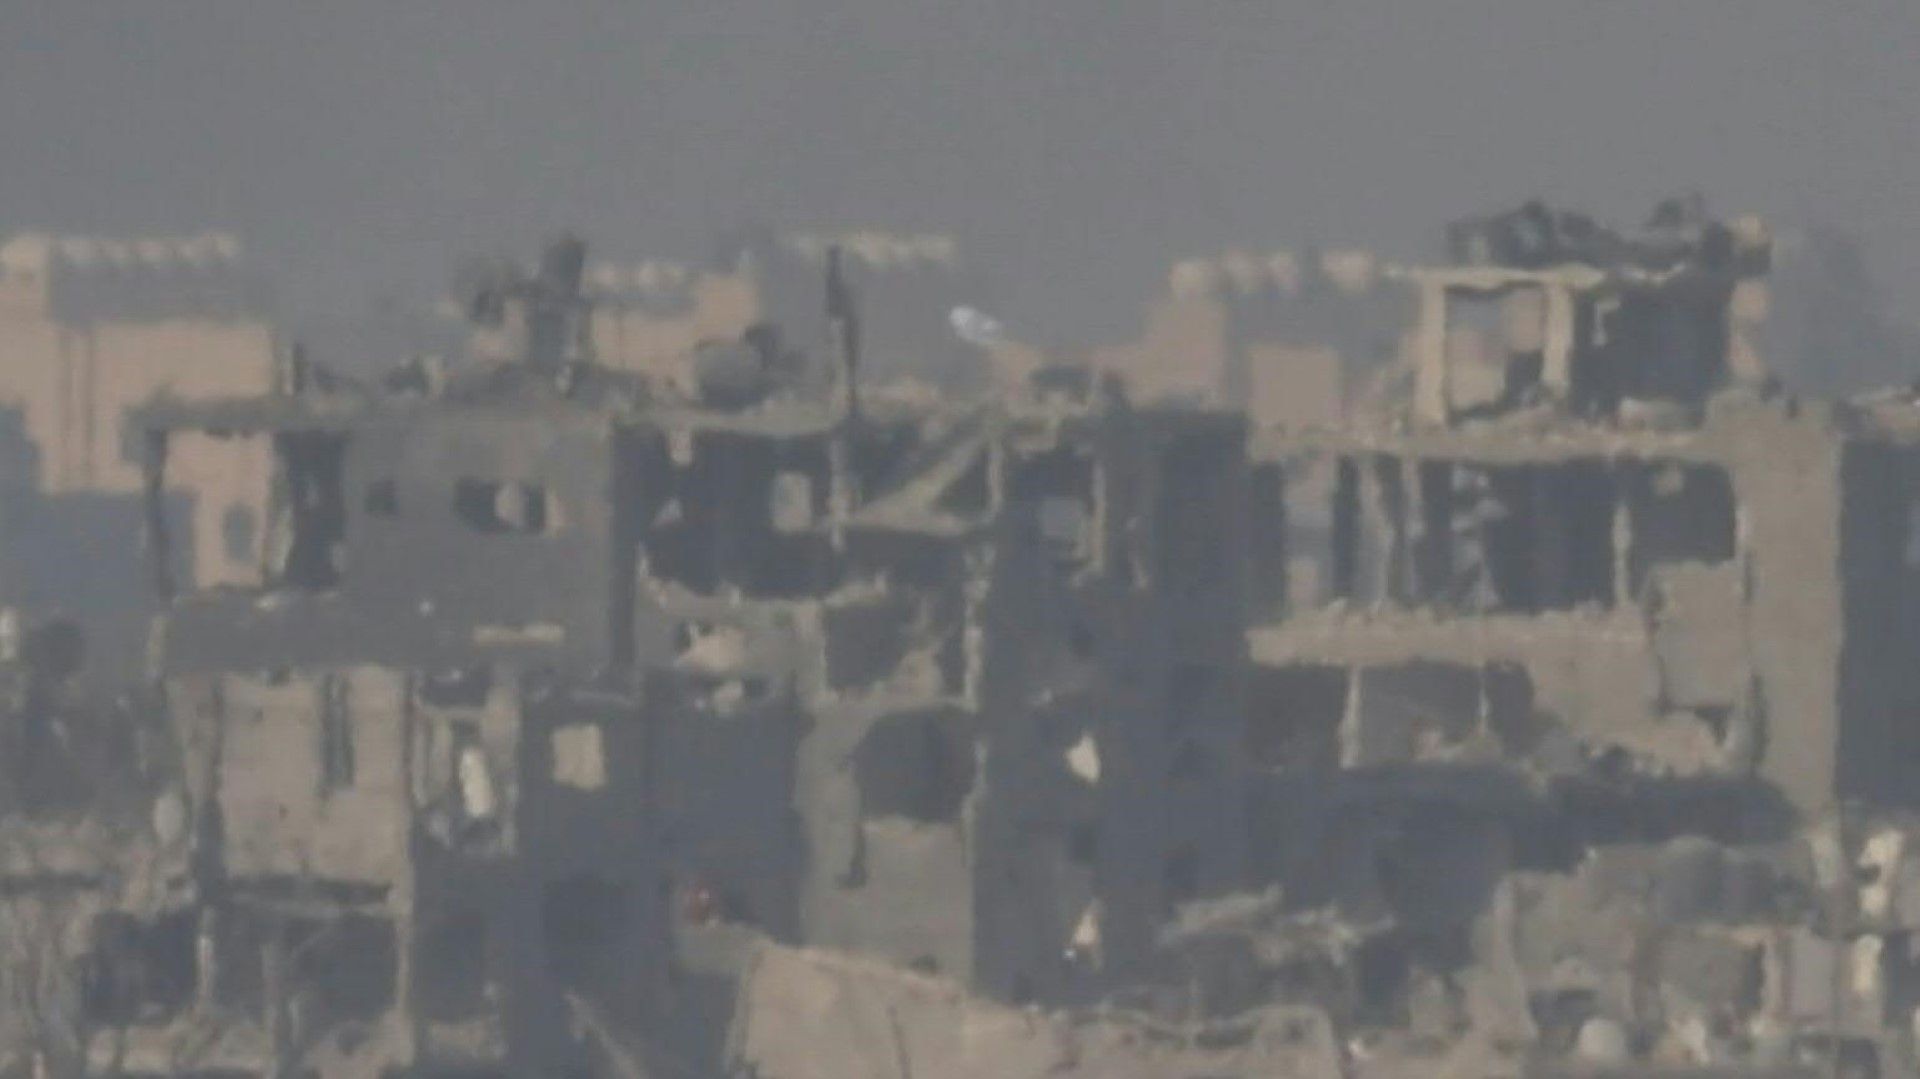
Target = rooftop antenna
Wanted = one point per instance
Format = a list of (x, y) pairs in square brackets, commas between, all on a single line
[(843, 331)]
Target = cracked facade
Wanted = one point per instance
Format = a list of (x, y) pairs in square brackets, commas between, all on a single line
[(1477, 667)]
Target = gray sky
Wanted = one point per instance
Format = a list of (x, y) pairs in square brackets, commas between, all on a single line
[(1074, 146)]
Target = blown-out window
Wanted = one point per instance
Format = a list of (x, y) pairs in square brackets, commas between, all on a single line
[(501, 507)]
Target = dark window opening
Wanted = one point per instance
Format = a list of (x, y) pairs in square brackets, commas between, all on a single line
[(1267, 533), (310, 516), (1521, 378), (1405, 712), (1579, 563), (584, 919), (239, 533), (138, 971), (1022, 991), (1194, 516), (1381, 969), (1667, 347), (919, 767), (496, 507), (382, 498), (1516, 539), (344, 967), (1344, 535), (1058, 486), (1508, 538), (461, 687), (452, 979), (1680, 513), (1294, 717), (336, 734)]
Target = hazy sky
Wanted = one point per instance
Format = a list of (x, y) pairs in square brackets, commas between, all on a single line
[(1074, 146)]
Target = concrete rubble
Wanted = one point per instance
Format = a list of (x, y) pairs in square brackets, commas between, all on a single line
[(663, 689)]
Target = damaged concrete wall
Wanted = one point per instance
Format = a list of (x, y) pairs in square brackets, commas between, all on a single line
[(501, 527), (489, 830), (805, 1013), (330, 811), (1651, 614), (1110, 702), (1293, 340)]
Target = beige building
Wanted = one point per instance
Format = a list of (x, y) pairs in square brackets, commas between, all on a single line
[(654, 317), (90, 327), (1295, 340)]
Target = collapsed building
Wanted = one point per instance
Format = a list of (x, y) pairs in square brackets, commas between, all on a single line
[(1544, 714), (416, 773), (533, 649), (662, 318), (1026, 645), (1579, 667)]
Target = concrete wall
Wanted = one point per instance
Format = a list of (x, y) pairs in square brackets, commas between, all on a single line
[(1712, 642), (82, 349), (283, 812), (500, 827), (432, 552), (1293, 344)]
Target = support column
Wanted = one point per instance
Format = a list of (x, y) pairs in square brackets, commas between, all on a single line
[(154, 536), (1267, 510), (1353, 742), (1508, 542), (1556, 370), (1433, 558), (1433, 395), (206, 959), (1622, 538), (1550, 540), (1390, 489), (1346, 528), (403, 902)]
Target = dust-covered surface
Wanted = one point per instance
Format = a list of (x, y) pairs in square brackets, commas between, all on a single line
[(1473, 669)]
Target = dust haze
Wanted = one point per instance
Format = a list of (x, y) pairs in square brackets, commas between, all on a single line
[(788, 540)]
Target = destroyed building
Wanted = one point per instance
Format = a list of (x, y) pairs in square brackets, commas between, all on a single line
[(1542, 713), (1027, 643), (1588, 592), (417, 776), (658, 316), (534, 647)]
